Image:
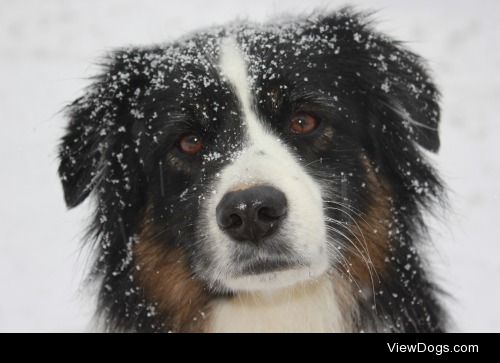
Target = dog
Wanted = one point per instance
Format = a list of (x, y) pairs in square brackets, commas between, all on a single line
[(260, 178)]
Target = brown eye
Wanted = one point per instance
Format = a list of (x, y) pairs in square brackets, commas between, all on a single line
[(303, 123), (190, 144)]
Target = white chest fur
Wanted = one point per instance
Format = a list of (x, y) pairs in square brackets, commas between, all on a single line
[(310, 307)]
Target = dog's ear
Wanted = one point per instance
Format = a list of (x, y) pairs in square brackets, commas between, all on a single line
[(81, 150), (405, 93), (96, 121), (395, 80)]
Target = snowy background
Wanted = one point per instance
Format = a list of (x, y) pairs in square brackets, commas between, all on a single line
[(48, 48)]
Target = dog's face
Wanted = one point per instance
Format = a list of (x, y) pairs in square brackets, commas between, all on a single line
[(262, 225), (258, 152)]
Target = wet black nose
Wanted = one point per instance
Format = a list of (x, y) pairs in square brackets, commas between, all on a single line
[(251, 214)]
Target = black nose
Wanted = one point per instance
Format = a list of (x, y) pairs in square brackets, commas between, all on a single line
[(251, 214)]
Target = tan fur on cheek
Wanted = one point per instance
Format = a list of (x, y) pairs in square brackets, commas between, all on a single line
[(167, 280), (372, 231)]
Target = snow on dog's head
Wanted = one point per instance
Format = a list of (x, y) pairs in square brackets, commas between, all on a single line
[(252, 158)]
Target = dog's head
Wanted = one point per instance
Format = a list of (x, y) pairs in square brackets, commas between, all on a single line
[(264, 156)]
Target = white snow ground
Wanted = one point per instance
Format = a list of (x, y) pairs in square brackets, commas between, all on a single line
[(47, 49)]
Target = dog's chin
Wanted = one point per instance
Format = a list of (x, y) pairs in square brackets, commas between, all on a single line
[(277, 276)]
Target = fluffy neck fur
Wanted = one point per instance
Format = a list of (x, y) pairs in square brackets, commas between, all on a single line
[(315, 306)]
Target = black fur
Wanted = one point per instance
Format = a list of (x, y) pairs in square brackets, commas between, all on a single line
[(120, 146)]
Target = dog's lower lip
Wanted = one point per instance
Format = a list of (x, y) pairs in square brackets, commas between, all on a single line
[(267, 265)]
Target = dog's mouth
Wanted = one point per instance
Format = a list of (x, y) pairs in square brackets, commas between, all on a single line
[(271, 273), (267, 265)]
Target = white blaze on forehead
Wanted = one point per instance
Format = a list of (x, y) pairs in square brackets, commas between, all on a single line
[(235, 69)]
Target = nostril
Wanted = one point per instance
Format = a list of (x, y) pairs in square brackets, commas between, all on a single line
[(266, 214), (229, 220), (235, 221)]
